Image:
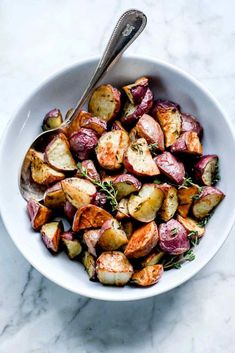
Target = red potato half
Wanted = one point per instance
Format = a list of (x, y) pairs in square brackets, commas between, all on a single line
[(190, 123), (52, 120), (38, 213), (78, 192), (150, 129), (173, 238), (185, 198), (83, 143), (138, 159), (136, 91), (113, 268), (91, 238), (75, 125), (208, 200), (90, 168), (54, 197), (188, 142), (51, 234), (170, 202), (110, 149), (205, 169), (144, 206), (191, 225), (112, 236), (58, 155), (169, 117), (72, 245), (142, 241), (126, 184), (105, 102), (147, 276), (98, 125), (171, 167), (90, 216)]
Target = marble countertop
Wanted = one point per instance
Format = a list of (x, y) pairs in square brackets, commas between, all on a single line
[(37, 38)]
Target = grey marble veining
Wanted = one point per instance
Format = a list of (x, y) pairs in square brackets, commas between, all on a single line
[(37, 38)]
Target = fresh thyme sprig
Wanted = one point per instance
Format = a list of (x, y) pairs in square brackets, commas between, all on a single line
[(193, 238), (205, 220), (176, 262), (189, 182), (105, 186), (153, 148)]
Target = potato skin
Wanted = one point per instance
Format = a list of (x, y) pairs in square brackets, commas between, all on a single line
[(71, 244), (185, 197), (52, 120), (205, 168), (99, 199), (191, 225), (208, 200), (90, 169), (69, 210), (173, 238), (142, 241), (83, 143), (171, 167), (170, 202), (79, 192), (90, 216), (150, 129), (76, 123), (136, 91), (122, 212), (88, 262), (54, 197), (190, 123), (38, 213), (51, 234), (147, 276), (98, 125), (91, 238), (188, 142), (125, 184)]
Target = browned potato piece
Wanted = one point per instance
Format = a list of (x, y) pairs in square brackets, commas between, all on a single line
[(138, 159), (54, 197), (126, 184), (41, 172), (69, 210), (171, 167), (38, 213), (58, 155), (170, 202), (190, 123), (153, 258), (146, 204), (91, 238), (185, 198), (117, 126), (79, 192), (96, 124), (113, 268), (206, 168), (71, 244), (88, 262), (52, 120), (136, 91), (147, 276), (90, 169), (208, 200), (51, 233), (142, 241), (128, 228), (123, 212), (110, 149), (191, 225), (105, 102), (150, 129), (188, 142), (90, 216), (112, 236), (83, 143)]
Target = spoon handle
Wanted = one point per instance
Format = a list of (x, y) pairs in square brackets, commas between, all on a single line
[(127, 29)]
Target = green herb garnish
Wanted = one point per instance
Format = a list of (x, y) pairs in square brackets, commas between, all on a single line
[(176, 261)]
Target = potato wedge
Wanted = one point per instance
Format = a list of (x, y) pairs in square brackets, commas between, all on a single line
[(41, 172), (94, 123), (136, 91), (171, 167), (146, 204), (191, 225), (147, 276), (110, 149), (91, 238), (153, 258), (112, 236), (51, 234), (190, 123), (138, 159), (169, 117), (52, 120), (122, 212), (206, 168), (54, 197), (208, 200), (69, 210), (150, 129), (113, 268), (188, 142), (72, 245), (185, 198), (90, 216), (142, 241), (38, 213), (105, 102), (79, 192), (58, 155), (170, 202), (76, 123), (90, 169), (83, 143), (125, 184), (88, 262), (173, 238)]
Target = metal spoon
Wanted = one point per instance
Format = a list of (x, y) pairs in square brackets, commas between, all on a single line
[(127, 29)]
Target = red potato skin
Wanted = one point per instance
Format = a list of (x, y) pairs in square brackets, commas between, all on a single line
[(190, 123), (137, 90), (173, 244), (69, 210), (69, 235), (99, 199), (53, 244), (128, 179), (52, 114), (83, 143), (91, 170), (171, 167), (98, 125), (38, 214), (207, 191), (188, 142), (200, 166), (151, 130)]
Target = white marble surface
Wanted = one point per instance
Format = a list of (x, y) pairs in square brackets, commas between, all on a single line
[(36, 39)]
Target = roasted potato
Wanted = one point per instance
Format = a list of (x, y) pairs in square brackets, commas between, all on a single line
[(52, 120), (99, 199), (69, 210), (90, 216), (117, 126), (76, 123), (169, 117), (136, 91), (171, 167), (208, 200), (51, 234), (133, 136), (110, 149), (105, 102), (127, 227), (150, 129), (185, 198), (113, 268), (191, 225), (153, 258), (90, 168), (125, 184), (83, 143), (41, 172), (112, 236), (147, 276), (206, 168), (173, 238), (122, 212), (188, 142), (54, 197), (58, 155), (91, 238), (79, 192), (142, 241), (72, 245), (98, 125), (38, 214), (170, 202), (138, 159), (190, 123), (146, 204), (89, 263)]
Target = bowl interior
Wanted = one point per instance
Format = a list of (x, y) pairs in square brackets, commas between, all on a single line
[(62, 91)]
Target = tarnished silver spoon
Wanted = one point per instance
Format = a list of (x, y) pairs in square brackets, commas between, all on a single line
[(127, 29)]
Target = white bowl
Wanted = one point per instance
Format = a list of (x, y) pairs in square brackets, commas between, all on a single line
[(62, 91)]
